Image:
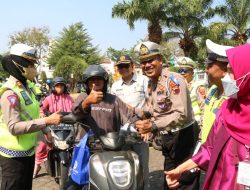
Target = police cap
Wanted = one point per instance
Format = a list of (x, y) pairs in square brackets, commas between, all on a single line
[(125, 59), (24, 51), (186, 62), (216, 52), (147, 50)]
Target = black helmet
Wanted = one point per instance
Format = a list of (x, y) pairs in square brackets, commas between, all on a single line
[(95, 71), (59, 80)]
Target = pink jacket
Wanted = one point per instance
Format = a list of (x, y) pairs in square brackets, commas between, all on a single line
[(54, 103), (218, 156)]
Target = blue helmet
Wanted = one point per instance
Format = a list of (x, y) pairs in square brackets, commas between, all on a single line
[(49, 81)]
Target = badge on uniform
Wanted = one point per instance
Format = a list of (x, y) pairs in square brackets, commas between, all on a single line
[(26, 98), (13, 100), (174, 85), (210, 95), (162, 88)]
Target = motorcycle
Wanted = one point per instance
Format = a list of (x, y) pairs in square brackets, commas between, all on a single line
[(112, 168), (44, 93), (59, 157)]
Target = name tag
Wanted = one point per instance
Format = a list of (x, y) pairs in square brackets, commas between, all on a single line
[(244, 173)]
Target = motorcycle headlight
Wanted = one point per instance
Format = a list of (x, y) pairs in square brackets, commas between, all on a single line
[(120, 171)]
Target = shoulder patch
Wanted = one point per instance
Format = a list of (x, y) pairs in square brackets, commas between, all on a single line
[(174, 85), (13, 100), (172, 78)]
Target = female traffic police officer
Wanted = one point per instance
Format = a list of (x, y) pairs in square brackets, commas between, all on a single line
[(19, 121)]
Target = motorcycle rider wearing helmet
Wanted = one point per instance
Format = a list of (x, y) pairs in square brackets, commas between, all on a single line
[(107, 111), (102, 111), (20, 121), (58, 100)]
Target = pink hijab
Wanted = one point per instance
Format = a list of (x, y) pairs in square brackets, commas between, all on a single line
[(236, 112)]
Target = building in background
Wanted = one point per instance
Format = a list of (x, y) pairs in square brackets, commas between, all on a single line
[(44, 66)]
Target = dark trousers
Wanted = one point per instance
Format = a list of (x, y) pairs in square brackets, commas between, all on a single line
[(178, 147), (17, 173)]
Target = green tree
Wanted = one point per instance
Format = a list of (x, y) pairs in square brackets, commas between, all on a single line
[(43, 76), (153, 11), (68, 65), (236, 14), (185, 21), (216, 32), (35, 37), (3, 74), (114, 54), (75, 42)]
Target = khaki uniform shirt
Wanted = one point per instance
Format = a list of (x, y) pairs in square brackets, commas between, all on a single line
[(11, 115), (169, 101)]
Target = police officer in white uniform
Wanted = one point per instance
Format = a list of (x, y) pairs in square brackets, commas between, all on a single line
[(131, 88)]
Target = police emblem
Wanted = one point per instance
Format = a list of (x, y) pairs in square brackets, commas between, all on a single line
[(184, 61), (144, 50), (13, 100), (122, 58), (162, 88)]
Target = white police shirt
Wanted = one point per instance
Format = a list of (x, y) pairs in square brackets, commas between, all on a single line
[(133, 92)]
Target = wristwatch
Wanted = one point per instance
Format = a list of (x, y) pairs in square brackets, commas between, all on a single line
[(154, 128)]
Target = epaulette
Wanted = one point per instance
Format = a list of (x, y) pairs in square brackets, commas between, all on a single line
[(19, 84)]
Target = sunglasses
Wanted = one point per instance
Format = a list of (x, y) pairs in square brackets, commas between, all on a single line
[(121, 66), (183, 70)]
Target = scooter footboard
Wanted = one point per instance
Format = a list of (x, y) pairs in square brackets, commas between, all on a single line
[(114, 170)]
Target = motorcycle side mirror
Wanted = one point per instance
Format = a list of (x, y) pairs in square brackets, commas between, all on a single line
[(69, 118)]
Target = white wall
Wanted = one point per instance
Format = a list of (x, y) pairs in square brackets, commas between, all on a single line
[(46, 68)]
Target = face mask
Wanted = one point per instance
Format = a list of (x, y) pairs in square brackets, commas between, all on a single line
[(230, 87), (29, 73)]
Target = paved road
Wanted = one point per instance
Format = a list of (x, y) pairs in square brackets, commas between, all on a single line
[(45, 182)]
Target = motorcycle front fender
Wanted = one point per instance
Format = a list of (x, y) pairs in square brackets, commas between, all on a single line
[(54, 158), (64, 157)]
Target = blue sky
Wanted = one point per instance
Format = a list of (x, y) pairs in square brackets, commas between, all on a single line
[(56, 14)]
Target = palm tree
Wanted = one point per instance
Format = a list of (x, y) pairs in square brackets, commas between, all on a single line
[(186, 20), (236, 14), (215, 32), (154, 11)]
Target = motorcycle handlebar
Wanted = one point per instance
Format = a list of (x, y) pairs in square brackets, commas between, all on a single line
[(68, 117)]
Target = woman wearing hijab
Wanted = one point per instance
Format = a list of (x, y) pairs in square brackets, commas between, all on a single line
[(225, 154), (19, 119), (58, 100)]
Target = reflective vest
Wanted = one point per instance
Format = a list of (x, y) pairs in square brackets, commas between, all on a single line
[(20, 145), (194, 98), (212, 105)]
